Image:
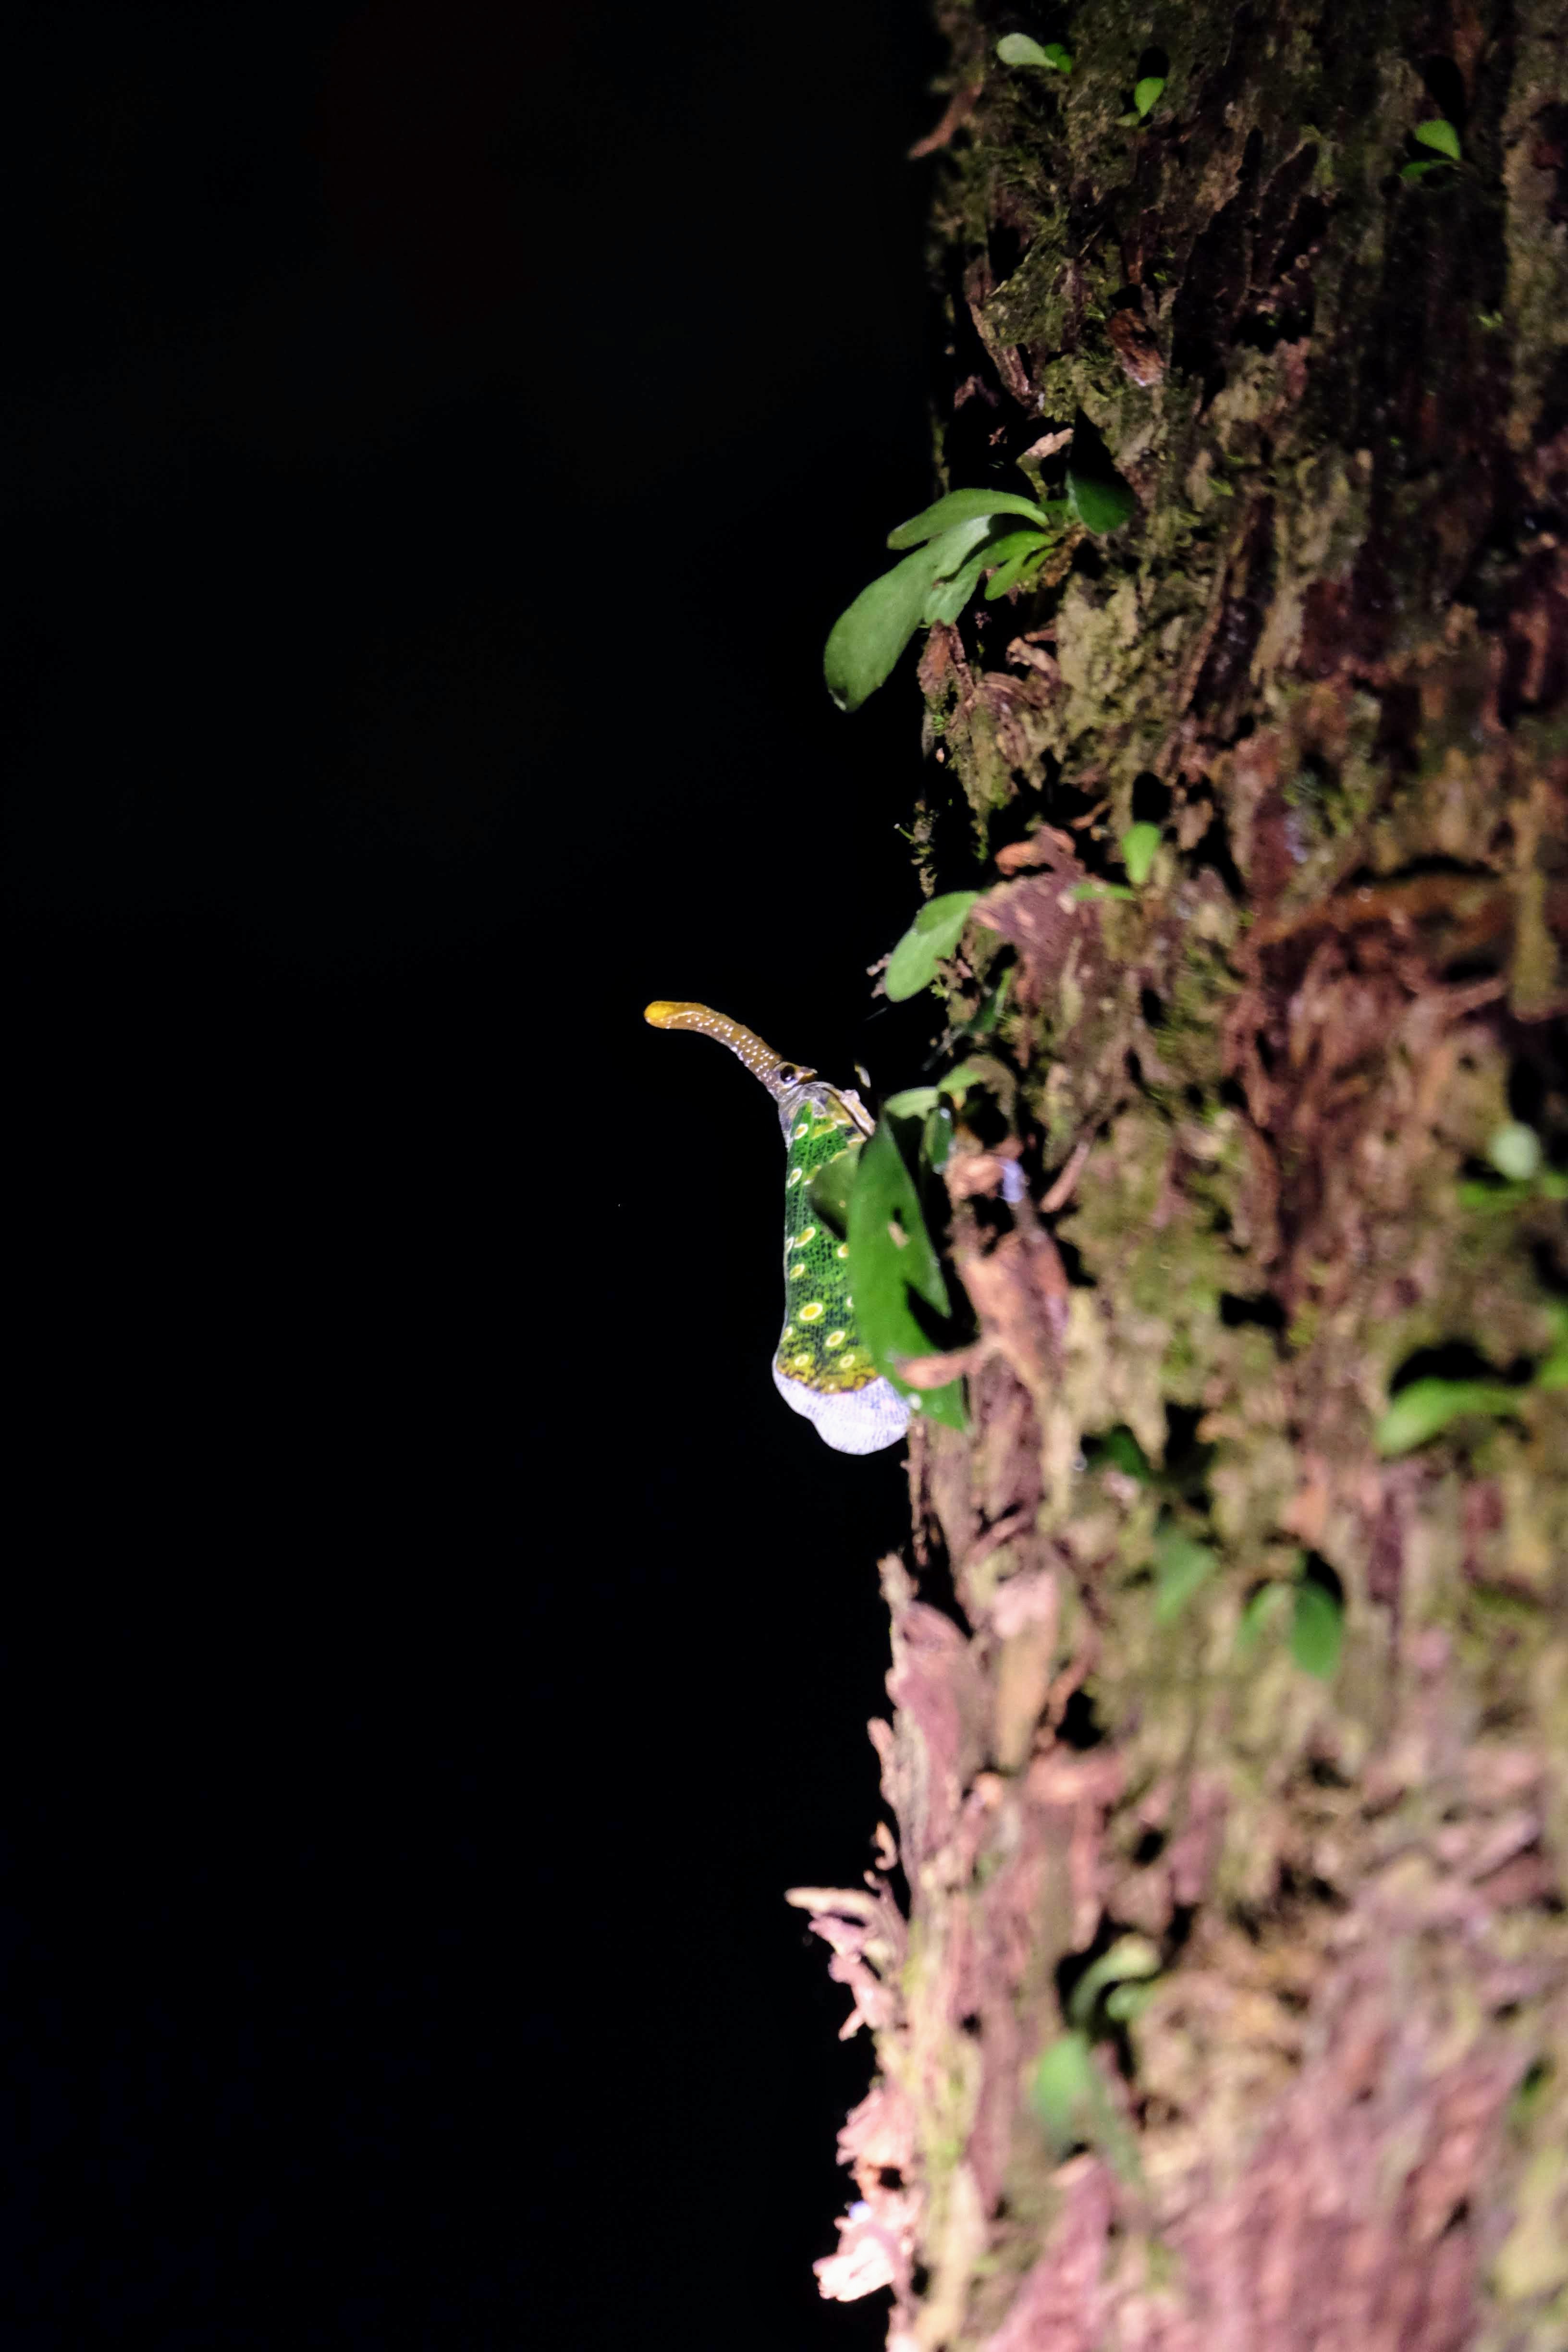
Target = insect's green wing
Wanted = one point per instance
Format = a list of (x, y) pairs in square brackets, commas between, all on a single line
[(822, 1367)]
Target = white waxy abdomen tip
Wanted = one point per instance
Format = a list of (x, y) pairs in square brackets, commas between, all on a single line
[(852, 1421)]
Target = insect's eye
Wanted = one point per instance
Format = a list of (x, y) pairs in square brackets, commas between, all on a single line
[(788, 1073)]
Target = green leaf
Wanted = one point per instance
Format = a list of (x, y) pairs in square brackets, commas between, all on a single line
[(1317, 1630), (1130, 1956), (890, 1255), (884, 1196), (951, 550), (995, 1006), (961, 506), (961, 554), (1119, 1450), (1061, 2091), (1441, 135), (1073, 2106), (1101, 503), (1552, 1184), (1083, 890), (1145, 97), (1426, 1407), (913, 1103), (1530, 2096), (830, 1188), (958, 1081), (936, 1136), (949, 597), (1515, 1151), (1181, 1565), (866, 640), (1264, 1604), (1123, 2002), (938, 913), (1138, 847), (1009, 543), (1491, 1197), (1419, 171), (934, 933), (1552, 1372), (1013, 556), (1022, 572), (1018, 49)]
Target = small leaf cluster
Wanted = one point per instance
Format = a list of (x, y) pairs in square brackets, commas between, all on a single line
[(1181, 1565), (1184, 1565), (1424, 1408), (1138, 845), (1018, 49), (1514, 1150), (1146, 96), (1067, 2091), (1317, 1619), (953, 544), (1439, 134)]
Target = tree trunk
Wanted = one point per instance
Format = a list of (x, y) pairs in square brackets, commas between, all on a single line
[(1292, 1113)]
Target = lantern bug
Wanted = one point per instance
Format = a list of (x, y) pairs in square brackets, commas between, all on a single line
[(821, 1367)]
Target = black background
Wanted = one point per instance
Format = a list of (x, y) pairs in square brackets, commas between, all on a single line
[(438, 438)]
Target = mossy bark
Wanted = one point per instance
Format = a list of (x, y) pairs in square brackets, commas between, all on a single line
[(1253, 1100)]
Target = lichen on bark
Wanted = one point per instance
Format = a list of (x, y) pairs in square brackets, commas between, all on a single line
[(1253, 1100)]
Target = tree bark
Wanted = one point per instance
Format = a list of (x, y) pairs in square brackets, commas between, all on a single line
[(1254, 1099)]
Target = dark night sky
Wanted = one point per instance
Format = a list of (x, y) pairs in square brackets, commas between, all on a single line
[(438, 438)]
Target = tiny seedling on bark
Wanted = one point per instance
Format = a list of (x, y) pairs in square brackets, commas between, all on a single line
[(1317, 1627), (1181, 1566), (1067, 2091), (1424, 1409), (1145, 97), (1018, 49), (1441, 136), (1316, 1623), (1138, 845), (1553, 1372)]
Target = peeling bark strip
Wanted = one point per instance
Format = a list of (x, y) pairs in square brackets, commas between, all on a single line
[(1255, 1099)]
